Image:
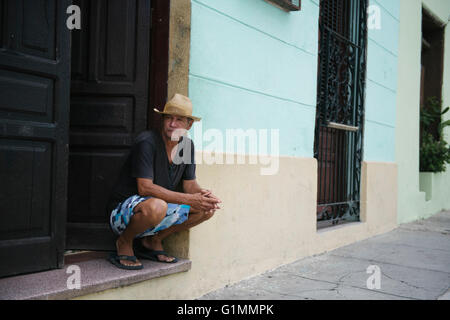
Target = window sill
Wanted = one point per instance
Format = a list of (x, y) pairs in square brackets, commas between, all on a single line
[(285, 5), (97, 274), (347, 224)]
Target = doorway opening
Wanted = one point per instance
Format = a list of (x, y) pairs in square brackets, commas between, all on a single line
[(118, 60)]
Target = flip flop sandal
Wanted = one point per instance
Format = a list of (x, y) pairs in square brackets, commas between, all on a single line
[(115, 260), (144, 253)]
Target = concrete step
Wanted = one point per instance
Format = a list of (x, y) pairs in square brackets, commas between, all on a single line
[(95, 272)]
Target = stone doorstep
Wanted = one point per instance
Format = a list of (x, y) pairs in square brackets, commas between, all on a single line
[(96, 274)]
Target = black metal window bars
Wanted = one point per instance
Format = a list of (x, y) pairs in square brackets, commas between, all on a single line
[(338, 145)]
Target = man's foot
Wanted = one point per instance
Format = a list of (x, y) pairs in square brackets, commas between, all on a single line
[(126, 249), (155, 244)]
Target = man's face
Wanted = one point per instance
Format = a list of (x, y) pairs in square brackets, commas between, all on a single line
[(175, 124)]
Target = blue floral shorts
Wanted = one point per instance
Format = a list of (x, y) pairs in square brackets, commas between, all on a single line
[(121, 215)]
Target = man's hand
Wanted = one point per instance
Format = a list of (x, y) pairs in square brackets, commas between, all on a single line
[(209, 194), (204, 201)]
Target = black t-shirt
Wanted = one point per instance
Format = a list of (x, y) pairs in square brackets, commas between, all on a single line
[(148, 159)]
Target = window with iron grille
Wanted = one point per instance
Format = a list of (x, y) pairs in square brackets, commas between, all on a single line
[(340, 109)]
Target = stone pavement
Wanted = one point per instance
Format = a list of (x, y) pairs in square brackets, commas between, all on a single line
[(413, 260)]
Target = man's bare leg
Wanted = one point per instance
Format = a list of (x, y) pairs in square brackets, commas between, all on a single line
[(147, 214), (155, 242)]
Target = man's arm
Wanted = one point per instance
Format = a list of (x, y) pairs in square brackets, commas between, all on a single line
[(146, 187), (197, 200), (191, 186)]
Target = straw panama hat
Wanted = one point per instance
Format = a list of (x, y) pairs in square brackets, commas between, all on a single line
[(179, 105)]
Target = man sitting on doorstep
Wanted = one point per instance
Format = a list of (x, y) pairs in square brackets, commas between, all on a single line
[(146, 205)]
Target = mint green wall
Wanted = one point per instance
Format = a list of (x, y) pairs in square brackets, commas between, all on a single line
[(253, 65), (381, 85)]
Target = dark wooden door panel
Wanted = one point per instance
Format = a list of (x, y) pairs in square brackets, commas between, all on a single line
[(34, 117), (35, 105), (26, 170), (36, 34), (89, 191), (109, 102)]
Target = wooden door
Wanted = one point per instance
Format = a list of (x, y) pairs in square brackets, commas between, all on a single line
[(109, 103), (34, 119)]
